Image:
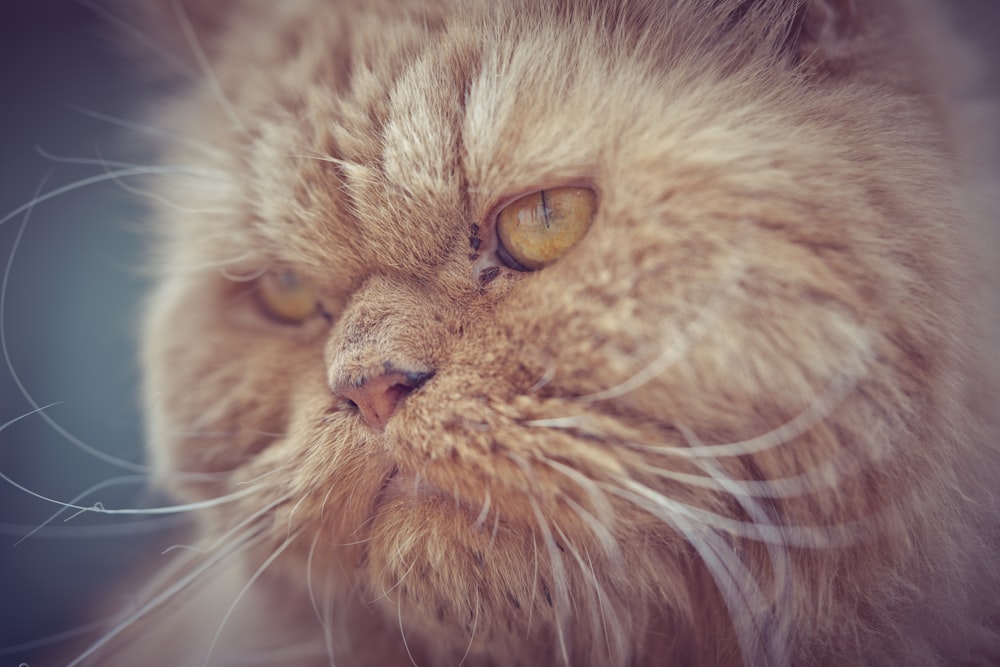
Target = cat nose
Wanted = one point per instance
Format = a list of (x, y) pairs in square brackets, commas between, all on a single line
[(377, 398)]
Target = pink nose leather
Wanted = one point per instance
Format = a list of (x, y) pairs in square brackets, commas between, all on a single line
[(379, 397)]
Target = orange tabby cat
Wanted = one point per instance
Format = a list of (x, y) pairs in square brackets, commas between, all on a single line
[(575, 333)]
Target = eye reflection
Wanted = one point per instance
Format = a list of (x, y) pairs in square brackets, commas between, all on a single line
[(539, 228)]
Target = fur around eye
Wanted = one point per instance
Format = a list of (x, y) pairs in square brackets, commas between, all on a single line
[(538, 229), (285, 297)]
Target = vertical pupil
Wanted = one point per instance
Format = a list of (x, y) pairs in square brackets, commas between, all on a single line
[(546, 211)]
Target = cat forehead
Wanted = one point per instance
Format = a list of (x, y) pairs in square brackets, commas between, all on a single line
[(425, 123), (371, 124)]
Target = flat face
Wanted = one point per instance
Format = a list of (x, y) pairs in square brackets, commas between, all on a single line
[(544, 336), (716, 309)]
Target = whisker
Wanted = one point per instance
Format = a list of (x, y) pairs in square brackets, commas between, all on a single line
[(286, 655), (386, 591), (157, 197), (52, 639), (472, 636), (324, 620), (598, 613), (805, 537), (234, 549), (171, 509), (740, 591), (485, 512), (203, 64), (775, 638), (402, 634), (496, 528), (134, 467), (559, 582), (534, 581), (599, 526), (89, 161), (150, 130), (680, 341), (118, 529), (200, 172), (140, 37), (823, 476), (620, 649), (222, 266), (814, 413), (118, 481), (246, 587)]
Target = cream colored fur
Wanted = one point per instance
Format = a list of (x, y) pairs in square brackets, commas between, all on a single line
[(735, 424)]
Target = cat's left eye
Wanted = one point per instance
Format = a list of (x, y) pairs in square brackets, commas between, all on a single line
[(538, 229), (285, 297)]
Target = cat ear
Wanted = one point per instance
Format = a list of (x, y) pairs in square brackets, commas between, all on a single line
[(821, 34), (834, 35), (826, 28)]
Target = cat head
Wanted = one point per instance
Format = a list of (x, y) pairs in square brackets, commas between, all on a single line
[(558, 322)]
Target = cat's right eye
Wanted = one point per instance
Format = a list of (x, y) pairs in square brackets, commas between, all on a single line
[(537, 229), (285, 297)]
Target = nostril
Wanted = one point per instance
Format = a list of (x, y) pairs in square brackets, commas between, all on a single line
[(377, 398)]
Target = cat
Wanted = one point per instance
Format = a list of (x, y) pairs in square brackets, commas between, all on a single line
[(574, 333)]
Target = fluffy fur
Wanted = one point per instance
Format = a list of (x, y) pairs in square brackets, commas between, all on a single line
[(734, 425)]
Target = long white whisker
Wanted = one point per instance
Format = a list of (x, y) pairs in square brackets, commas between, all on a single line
[(534, 581), (825, 475), (108, 165), (181, 584), (740, 591), (140, 37), (774, 637), (172, 509), (559, 582), (118, 173), (485, 512), (117, 481), (472, 636), (157, 197), (386, 591), (599, 617), (118, 529), (814, 413), (681, 341), (805, 537), (134, 467), (402, 633), (598, 524), (51, 639), (323, 620), (152, 131), (246, 587), (206, 68)]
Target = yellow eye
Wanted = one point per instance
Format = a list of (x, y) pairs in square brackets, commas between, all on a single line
[(538, 229), (284, 297)]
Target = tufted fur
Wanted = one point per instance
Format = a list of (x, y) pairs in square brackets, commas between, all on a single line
[(731, 426)]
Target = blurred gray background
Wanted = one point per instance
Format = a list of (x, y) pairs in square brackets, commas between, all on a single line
[(71, 304)]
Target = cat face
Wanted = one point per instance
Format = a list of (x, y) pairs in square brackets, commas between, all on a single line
[(707, 402)]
